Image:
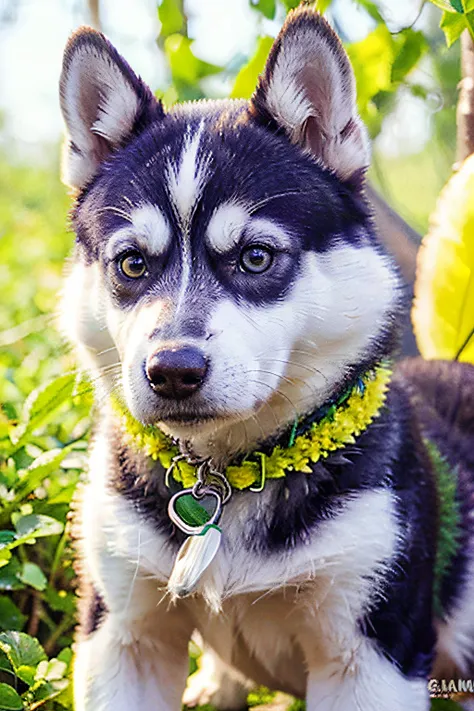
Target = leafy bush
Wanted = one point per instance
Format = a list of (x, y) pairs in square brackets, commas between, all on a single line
[(43, 426)]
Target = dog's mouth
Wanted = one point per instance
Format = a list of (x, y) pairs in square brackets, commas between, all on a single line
[(189, 419)]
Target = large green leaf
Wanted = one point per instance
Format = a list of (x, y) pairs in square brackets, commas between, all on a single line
[(171, 17), (10, 700), (31, 574), (42, 404), (453, 25), (21, 649), (33, 526)]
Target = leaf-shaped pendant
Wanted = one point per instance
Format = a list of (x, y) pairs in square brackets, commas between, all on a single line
[(194, 557)]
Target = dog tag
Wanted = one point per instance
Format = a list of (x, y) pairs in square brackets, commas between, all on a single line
[(194, 557)]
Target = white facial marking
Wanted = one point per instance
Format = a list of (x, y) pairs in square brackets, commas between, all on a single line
[(186, 182), (149, 229), (228, 222), (226, 226), (262, 227), (186, 179)]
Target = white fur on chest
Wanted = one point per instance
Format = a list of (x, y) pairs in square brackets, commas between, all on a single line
[(345, 551)]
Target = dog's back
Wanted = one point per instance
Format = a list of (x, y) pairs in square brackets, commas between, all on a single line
[(442, 396)]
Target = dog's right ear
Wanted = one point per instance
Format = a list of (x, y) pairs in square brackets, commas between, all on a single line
[(307, 90), (103, 103)]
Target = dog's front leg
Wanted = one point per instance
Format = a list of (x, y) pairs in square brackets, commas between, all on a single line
[(364, 680), (134, 663)]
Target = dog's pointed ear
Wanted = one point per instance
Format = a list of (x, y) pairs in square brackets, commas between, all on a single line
[(103, 103), (308, 90)]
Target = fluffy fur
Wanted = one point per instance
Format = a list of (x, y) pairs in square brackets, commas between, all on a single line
[(323, 586)]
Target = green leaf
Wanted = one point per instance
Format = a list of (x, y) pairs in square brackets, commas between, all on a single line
[(372, 59), (46, 690), (35, 526), (26, 674), (453, 25), (9, 699), (60, 601), (21, 649), (41, 405), (322, 5), (184, 65), (32, 575), (9, 576), (291, 4), (411, 46), (65, 655), (266, 7), (371, 9), (11, 618), (448, 5), (171, 17), (31, 478), (4, 663), (5, 556), (5, 538), (246, 79)]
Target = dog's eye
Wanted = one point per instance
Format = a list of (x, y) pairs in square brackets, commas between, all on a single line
[(132, 265), (256, 259)]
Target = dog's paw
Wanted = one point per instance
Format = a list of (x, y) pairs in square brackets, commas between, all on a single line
[(221, 690)]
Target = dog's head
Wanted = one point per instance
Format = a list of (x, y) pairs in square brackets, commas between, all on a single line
[(226, 264)]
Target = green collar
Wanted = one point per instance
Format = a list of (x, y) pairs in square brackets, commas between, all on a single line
[(338, 427)]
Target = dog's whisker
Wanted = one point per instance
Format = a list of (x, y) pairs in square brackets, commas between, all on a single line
[(116, 211)]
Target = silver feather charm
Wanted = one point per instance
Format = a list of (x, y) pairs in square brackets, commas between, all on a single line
[(194, 557)]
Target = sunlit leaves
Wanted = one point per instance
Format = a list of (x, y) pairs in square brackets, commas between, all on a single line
[(10, 700), (266, 7), (171, 17), (381, 61), (45, 679), (186, 69), (42, 404), (458, 15), (443, 314), (247, 78), (453, 25)]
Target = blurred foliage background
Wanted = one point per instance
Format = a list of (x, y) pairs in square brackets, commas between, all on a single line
[(407, 86)]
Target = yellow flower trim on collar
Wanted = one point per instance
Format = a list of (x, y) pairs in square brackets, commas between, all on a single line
[(337, 429)]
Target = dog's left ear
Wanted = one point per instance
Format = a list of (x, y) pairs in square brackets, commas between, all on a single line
[(104, 104), (308, 89)]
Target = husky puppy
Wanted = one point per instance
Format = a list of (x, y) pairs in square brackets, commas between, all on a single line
[(227, 288)]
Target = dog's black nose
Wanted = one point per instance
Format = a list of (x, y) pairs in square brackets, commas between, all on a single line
[(176, 373)]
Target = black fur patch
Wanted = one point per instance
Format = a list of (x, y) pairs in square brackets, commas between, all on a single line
[(92, 610)]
